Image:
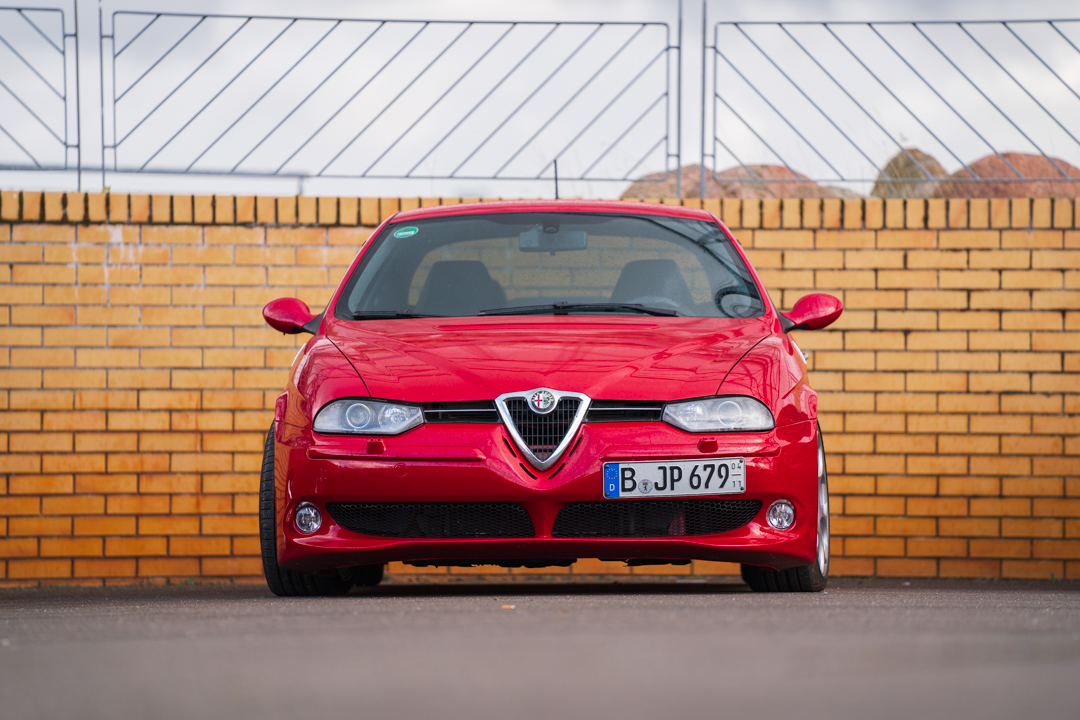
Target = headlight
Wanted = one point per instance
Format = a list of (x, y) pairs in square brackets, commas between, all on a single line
[(720, 414), (367, 417)]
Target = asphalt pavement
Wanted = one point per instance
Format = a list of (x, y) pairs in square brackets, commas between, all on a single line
[(864, 649)]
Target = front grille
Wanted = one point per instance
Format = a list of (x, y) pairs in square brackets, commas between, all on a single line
[(542, 433), (461, 412), (653, 518), (434, 520), (624, 411)]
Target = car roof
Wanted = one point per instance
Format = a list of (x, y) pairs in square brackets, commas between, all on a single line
[(581, 206)]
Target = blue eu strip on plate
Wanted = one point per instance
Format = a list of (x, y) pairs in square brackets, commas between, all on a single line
[(611, 480)]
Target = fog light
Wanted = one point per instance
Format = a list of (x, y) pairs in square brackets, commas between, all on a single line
[(308, 519), (781, 514)]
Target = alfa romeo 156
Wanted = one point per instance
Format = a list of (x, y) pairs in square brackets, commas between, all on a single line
[(528, 383)]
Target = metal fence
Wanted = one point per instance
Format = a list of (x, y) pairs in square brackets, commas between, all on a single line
[(39, 122), (846, 103), (311, 97), (885, 108)]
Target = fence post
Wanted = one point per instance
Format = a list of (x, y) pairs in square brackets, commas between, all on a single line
[(704, 89), (89, 105)]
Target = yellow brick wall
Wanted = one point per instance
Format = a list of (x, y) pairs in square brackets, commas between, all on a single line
[(137, 378)]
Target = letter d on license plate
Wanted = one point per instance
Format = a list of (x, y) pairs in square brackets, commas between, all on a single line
[(675, 478)]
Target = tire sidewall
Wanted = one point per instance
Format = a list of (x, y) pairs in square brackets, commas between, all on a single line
[(267, 519)]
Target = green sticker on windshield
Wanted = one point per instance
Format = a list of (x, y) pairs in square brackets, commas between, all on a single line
[(406, 232)]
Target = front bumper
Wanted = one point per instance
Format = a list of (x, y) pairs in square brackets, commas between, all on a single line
[(477, 463)]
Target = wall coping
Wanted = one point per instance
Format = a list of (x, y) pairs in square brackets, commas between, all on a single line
[(765, 214)]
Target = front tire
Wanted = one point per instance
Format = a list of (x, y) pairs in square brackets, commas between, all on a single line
[(287, 583), (811, 578)]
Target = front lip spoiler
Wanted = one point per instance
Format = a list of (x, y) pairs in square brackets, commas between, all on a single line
[(750, 544)]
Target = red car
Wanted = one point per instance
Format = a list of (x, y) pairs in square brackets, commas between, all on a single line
[(528, 383)]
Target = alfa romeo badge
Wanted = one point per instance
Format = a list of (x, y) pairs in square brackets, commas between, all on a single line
[(542, 401)]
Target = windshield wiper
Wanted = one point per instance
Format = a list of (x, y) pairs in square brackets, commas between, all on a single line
[(563, 308), (385, 314)]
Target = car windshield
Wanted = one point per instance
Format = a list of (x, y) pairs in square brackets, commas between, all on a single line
[(550, 263)]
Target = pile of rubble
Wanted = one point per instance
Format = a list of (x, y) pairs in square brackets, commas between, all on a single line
[(911, 173)]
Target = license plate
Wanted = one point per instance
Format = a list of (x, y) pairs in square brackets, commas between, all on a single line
[(675, 478)]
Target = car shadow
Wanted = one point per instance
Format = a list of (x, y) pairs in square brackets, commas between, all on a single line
[(527, 588), (61, 594)]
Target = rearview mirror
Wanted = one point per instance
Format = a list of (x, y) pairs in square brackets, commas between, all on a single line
[(537, 240), (290, 316), (813, 312)]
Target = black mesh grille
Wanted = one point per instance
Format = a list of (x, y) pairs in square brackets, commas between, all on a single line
[(461, 412), (434, 520), (653, 518), (542, 433), (624, 411)]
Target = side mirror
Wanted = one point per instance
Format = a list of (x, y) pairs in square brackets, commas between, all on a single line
[(290, 316), (813, 312)]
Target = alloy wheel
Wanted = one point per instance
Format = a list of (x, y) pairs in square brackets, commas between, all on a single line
[(823, 512)]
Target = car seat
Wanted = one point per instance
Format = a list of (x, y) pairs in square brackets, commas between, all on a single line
[(644, 279), (459, 288)]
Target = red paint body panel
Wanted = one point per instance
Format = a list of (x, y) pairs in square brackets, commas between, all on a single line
[(780, 464), (775, 373), (815, 311), (614, 358), (287, 315), (320, 373), (479, 358)]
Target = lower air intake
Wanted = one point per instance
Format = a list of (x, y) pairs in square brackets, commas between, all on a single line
[(434, 520), (653, 518)]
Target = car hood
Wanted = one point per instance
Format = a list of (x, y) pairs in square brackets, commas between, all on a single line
[(616, 358)]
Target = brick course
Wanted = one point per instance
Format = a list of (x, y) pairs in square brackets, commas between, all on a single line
[(137, 376)]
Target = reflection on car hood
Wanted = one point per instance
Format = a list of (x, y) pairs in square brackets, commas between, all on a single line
[(615, 358)]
